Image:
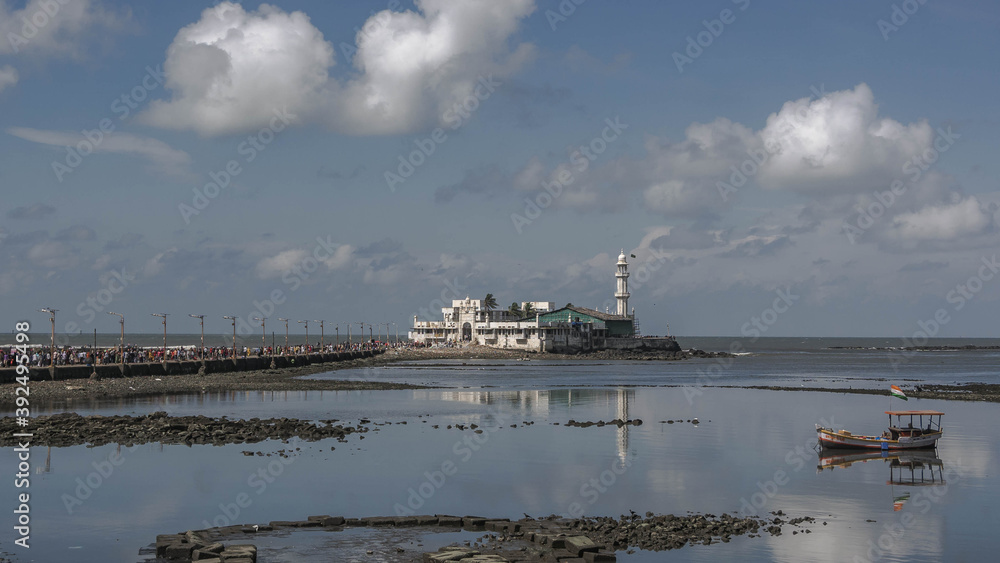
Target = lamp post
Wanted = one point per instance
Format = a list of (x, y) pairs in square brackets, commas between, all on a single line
[(121, 348), (322, 346), (286, 332), (307, 334), (337, 328), (350, 341), (232, 318), (263, 333), (362, 331), (370, 337), (52, 344), (164, 317), (397, 332), (202, 319)]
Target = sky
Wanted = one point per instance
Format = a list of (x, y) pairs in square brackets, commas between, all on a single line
[(775, 168)]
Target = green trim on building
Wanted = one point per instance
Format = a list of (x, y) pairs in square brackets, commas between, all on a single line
[(615, 325)]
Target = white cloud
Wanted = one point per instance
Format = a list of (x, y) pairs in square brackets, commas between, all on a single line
[(944, 222), (274, 266), (343, 256), (8, 77), (232, 69), (57, 28), (169, 158), (414, 65), (52, 254), (838, 143)]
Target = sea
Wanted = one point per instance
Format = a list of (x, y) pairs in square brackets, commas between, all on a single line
[(706, 444)]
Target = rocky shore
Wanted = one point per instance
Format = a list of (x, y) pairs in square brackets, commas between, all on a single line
[(71, 429), (526, 540), (988, 392)]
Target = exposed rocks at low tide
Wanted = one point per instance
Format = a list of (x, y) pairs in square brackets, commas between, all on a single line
[(616, 422), (526, 540), (71, 429)]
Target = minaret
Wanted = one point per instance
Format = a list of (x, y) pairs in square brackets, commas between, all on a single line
[(622, 293)]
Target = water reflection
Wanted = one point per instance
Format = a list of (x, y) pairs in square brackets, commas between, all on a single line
[(918, 468)]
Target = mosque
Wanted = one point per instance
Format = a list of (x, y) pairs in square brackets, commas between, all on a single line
[(566, 329)]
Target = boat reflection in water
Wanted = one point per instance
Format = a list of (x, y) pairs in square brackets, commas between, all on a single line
[(916, 468)]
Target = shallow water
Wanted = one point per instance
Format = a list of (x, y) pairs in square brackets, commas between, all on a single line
[(750, 451)]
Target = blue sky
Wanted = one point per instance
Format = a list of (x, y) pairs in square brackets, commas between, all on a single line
[(834, 99)]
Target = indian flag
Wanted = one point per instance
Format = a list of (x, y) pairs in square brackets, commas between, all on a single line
[(895, 391)]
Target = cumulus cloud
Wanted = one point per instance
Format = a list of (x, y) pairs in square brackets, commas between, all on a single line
[(53, 254), (943, 222), (8, 77), (286, 260), (837, 143), (163, 155), (232, 69), (62, 28)]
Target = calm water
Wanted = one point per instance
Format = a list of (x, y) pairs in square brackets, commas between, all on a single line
[(749, 452)]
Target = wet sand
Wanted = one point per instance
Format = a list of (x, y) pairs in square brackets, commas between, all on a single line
[(988, 392)]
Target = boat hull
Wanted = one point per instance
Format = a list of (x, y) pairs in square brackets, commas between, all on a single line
[(840, 439)]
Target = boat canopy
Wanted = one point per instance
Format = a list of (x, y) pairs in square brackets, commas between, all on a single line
[(914, 413)]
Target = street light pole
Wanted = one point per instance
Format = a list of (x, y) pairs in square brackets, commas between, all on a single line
[(202, 319), (337, 328), (307, 334), (263, 333), (350, 341), (322, 346), (232, 318), (164, 317), (397, 332), (52, 344), (286, 332), (121, 349)]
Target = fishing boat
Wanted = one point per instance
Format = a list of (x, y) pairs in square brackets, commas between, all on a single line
[(897, 437)]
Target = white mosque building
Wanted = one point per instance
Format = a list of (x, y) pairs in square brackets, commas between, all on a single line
[(549, 329)]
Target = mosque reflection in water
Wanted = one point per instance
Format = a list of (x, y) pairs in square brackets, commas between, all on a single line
[(539, 403)]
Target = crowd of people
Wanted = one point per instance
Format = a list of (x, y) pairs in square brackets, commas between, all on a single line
[(87, 355)]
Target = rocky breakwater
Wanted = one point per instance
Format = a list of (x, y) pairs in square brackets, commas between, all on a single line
[(71, 429), (527, 540)]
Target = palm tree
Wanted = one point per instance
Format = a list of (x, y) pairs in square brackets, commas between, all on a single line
[(529, 310), (490, 303), (514, 309)]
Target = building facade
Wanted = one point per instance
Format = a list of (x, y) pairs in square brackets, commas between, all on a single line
[(559, 330)]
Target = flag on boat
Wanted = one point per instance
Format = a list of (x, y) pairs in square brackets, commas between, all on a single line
[(898, 502), (895, 391)]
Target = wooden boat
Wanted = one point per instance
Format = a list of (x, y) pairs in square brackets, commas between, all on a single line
[(897, 437)]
